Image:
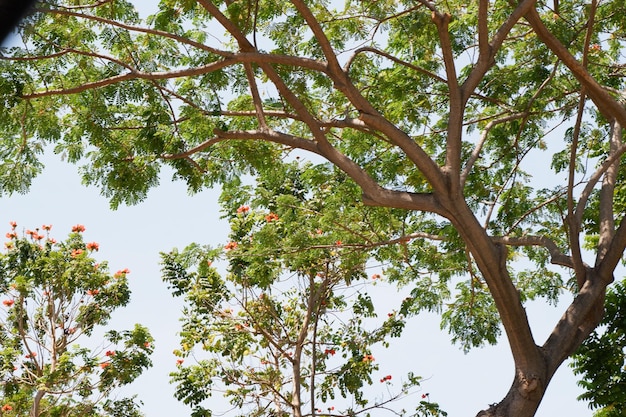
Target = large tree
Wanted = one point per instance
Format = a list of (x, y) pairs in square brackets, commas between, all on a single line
[(436, 111)]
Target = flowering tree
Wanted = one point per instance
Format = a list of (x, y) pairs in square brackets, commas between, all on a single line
[(290, 329), (55, 295)]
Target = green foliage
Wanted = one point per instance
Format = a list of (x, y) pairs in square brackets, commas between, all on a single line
[(600, 359), (286, 319), (55, 295)]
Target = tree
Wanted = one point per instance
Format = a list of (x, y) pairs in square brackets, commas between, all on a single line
[(290, 329), (432, 109), (55, 295)]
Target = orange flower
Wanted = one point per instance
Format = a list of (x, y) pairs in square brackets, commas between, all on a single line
[(92, 292), (52, 240), (8, 303), (243, 209), (11, 235), (376, 276), (93, 246), (385, 378), (368, 358), (271, 217), (6, 408), (13, 224), (76, 252), (103, 365), (339, 243), (46, 227), (78, 228), (30, 355), (179, 362), (231, 245), (110, 353)]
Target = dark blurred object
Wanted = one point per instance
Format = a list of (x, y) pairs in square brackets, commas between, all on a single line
[(11, 12)]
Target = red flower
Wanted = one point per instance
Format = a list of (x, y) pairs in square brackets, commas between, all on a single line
[(385, 378), (329, 352), (110, 353), (103, 365), (78, 228), (243, 209), (231, 245), (76, 252), (93, 246), (8, 303), (92, 292), (339, 243), (46, 227), (424, 395), (30, 355), (271, 217), (179, 362), (6, 408)]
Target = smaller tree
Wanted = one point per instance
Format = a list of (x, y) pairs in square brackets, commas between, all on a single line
[(53, 294), (292, 329)]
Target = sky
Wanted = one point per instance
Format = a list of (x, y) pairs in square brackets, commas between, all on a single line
[(132, 237)]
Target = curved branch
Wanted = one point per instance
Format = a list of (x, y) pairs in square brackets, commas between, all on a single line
[(132, 75), (132, 28), (557, 257)]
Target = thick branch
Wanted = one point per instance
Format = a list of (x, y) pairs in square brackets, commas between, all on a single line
[(607, 105)]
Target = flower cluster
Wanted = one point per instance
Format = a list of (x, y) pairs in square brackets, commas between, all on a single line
[(231, 245), (93, 246), (329, 352), (121, 273), (243, 209), (271, 217), (8, 303), (6, 408), (78, 228)]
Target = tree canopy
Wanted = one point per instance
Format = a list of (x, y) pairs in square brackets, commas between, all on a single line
[(55, 296), (473, 149)]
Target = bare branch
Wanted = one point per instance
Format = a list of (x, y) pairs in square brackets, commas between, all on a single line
[(557, 257)]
